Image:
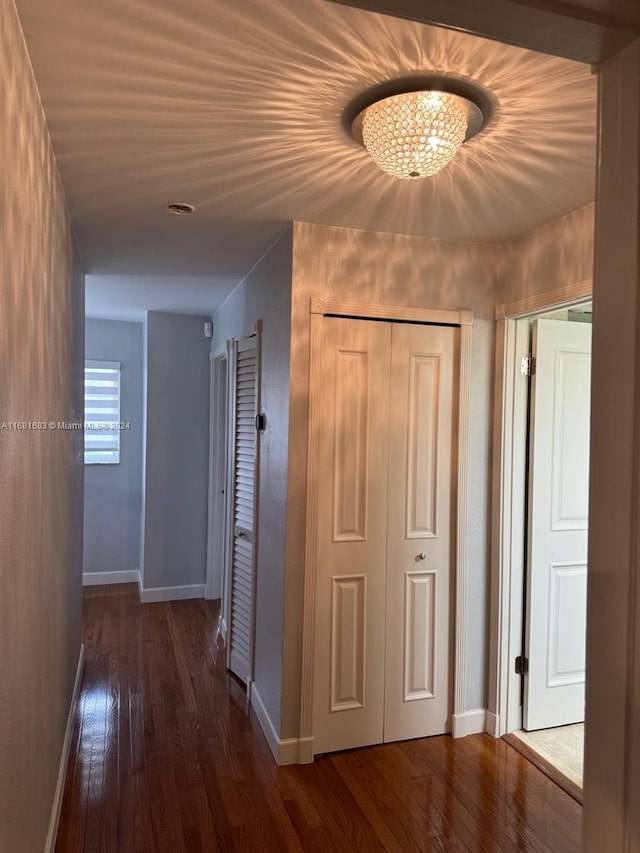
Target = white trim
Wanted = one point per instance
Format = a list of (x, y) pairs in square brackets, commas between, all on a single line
[(255, 550), (172, 593), (268, 729), (462, 531), (508, 538), (100, 578), (305, 750), (222, 627), (570, 294), (218, 453), (492, 724), (56, 808), (211, 496), (464, 319), (94, 364), (311, 532), (225, 601), (469, 723), (285, 751)]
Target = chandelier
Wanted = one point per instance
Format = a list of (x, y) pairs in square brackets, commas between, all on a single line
[(416, 133)]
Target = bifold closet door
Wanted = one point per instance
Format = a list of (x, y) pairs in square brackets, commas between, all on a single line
[(420, 546), (385, 552), (352, 535)]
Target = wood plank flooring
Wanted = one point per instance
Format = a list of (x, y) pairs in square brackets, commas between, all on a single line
[(167, 759)]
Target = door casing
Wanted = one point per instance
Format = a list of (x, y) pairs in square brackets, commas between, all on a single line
[(509, 488), (218, 472), (319, 308)]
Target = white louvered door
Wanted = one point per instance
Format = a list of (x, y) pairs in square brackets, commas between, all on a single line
[(245, 467)]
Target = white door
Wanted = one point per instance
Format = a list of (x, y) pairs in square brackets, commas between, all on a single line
[(352, 535), (420, 547), (382, 666), (558, 522), (245, 467)]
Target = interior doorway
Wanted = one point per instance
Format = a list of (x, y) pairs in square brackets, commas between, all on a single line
[(548, 603), (218, 474)]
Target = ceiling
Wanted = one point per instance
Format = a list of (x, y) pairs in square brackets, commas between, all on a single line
[(236, 107)]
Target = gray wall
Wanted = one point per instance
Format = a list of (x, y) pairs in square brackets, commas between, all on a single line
[(112, 493), (266, 294), (363, 266), (41, 472), (177, 451)]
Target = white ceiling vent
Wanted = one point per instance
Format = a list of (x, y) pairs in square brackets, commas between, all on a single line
[(180, 208)]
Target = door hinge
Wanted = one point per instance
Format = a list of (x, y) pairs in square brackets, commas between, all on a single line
[(527, 365), (522, 665)]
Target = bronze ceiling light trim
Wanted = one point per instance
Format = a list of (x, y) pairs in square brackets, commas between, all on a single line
[(414, 126)]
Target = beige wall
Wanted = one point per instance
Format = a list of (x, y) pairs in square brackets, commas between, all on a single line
[(556, 255), (346, 264), (363, 266), (266, 294), (41, 373)]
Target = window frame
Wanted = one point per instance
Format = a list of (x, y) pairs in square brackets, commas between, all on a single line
[(96, 458)]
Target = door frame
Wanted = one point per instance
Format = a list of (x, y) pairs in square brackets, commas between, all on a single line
[(319, 308), (218, 474), (509, 528)]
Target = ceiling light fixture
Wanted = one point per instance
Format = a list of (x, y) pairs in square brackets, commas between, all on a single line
[(415, 132)]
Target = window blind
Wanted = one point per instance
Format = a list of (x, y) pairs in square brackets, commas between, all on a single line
[(101, 412)]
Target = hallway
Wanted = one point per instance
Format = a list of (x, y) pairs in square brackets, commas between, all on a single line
[(165, 760)]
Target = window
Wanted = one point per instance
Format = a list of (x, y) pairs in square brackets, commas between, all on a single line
[(101, 412)]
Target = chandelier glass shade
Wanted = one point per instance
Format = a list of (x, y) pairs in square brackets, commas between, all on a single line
[(415, 134)]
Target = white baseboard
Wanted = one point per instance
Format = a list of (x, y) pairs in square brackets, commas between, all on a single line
[(54, 820), (469, 723), (305, 750), (99, 578), (289, 752), (266, 725), (171, 593), (285, 751), (492, 725)]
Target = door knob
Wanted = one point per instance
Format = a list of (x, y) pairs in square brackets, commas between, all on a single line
[(422, 556)]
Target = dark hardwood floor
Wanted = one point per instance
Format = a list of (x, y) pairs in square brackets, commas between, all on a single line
[(165, 757)]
